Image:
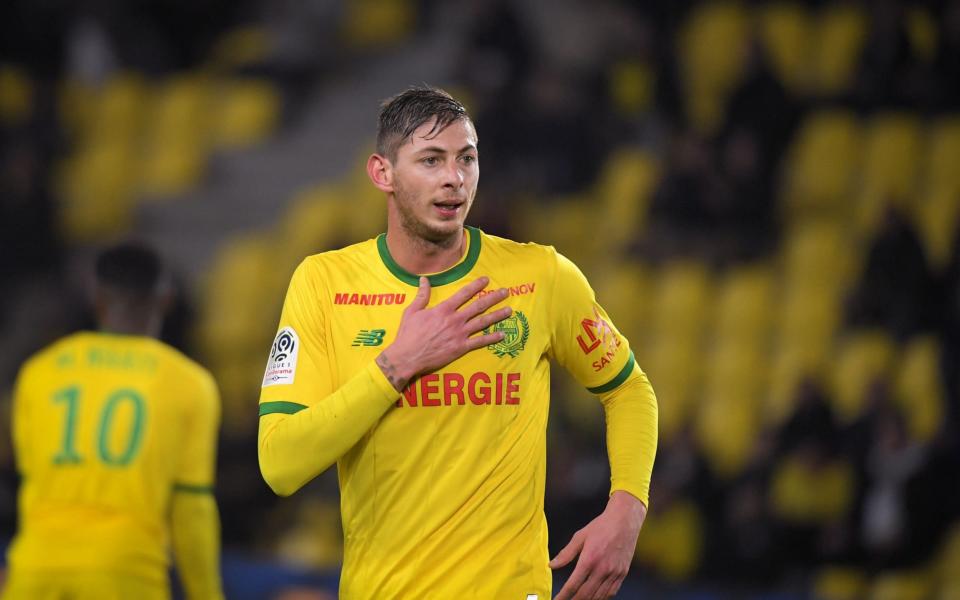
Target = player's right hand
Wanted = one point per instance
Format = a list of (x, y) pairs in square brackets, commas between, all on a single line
[(431, 338)]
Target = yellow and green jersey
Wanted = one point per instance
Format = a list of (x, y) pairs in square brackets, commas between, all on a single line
[(105, 428), (442, 485)]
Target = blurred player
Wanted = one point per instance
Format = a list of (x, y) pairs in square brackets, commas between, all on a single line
[(433, 402), (115, 438)]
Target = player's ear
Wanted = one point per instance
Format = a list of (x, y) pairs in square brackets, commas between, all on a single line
[(380, 171)]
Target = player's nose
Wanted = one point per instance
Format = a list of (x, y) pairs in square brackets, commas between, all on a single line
[(453, 176)]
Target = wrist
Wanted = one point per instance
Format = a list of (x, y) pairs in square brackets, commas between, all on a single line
[(397, 372), (627, 504)]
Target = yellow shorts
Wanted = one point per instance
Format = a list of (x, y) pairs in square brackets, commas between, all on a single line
[(80, 585)]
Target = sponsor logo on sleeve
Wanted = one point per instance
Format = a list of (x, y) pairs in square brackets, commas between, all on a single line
[(597, 333), (282, 365)]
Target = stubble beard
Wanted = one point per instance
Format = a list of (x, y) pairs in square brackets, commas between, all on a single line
[(418, 229)]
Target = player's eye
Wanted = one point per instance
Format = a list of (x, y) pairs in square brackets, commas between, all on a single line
[(468, 158), (430, 161)]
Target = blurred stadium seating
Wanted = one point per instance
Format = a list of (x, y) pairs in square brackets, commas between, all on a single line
[(771, 374)]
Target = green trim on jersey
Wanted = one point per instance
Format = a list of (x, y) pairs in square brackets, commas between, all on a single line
[(287, 408), (616, 381), (190, 488), (449, 276)]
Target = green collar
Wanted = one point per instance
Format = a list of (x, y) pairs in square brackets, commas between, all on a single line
[(452, 274)]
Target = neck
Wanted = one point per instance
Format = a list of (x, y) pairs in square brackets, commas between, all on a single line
[(125, 324), (421, 256)]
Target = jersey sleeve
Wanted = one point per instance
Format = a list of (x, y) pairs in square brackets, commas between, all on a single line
[(198, 458), (585, 342), (582, 338), (298, 372), (307, 419)]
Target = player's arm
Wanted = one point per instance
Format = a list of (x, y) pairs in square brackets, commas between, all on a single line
[(194, 521), (305, 424), (585, 342)]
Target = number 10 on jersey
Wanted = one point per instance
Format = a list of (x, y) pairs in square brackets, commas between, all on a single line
[(71, 399)]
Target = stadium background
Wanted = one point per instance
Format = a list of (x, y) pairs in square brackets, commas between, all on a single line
[(764, 195)]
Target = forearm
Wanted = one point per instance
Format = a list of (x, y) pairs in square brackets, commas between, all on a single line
[(295, 448), (196, 544), (631, 415)]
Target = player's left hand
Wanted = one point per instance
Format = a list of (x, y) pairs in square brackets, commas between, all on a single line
[(606, 546)]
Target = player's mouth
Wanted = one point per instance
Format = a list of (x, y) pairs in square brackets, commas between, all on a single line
[(448, 208)]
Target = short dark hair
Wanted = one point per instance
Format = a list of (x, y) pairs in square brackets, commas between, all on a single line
[(402, 114), (132, 269)]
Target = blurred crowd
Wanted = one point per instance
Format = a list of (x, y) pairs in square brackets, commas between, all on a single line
[(763, 194)]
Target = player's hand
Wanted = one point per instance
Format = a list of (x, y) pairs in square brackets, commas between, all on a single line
[(606, 546), (430, 338)]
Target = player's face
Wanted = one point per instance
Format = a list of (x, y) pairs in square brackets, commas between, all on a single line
[(435, 179)]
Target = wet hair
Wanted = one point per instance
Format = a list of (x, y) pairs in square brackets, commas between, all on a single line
[(130, 269), (402, 114)]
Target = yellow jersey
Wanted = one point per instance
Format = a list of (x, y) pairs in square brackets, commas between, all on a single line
[(105, 428), (442, 488)]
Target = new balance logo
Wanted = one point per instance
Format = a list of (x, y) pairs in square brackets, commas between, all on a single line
[(369, 337)]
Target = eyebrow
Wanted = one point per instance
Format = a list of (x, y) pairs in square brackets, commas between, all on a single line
[(439, 150)]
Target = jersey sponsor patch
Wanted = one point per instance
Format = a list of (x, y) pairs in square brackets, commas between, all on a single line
[(282, 364)]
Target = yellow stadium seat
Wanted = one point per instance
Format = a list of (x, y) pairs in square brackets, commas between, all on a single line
[(922, 31), (736, 371), (862, 358), (745, 305), (708, 75), (77, 105), (565, 224), (808, 322), (361, 198), (242, 46), (682, 301), (937, 218), (948, 561), (672, 541), (919, 387), (675, 371), (632, 87), (901, 585), (819, 256), (839, 39), (177, 139), (804, 493), (311, 224), (623, 290), (96, 188), (120, 110), (822, 163), (729, 416), (727, 426), (786, 31), (949, 590), (16, 95), (938, 211), (238, 291), (891, 150), (377, 23), (171, 169), (623, 190), (943, 155), (244, 112), (839, 583)]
